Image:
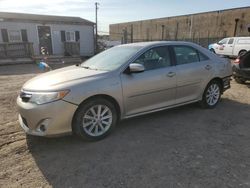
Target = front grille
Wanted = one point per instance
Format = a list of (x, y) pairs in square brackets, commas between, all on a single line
[(25, 96)]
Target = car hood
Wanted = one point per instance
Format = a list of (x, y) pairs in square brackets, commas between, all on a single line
[(60, 77)]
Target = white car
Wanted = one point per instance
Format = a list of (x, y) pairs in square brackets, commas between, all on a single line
[(233, 46)]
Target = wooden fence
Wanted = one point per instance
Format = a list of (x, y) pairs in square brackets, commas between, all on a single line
[(72, 48), (16, 50)]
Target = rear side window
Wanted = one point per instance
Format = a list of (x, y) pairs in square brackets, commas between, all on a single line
[(231, 41), (185, 55), (203, 57)]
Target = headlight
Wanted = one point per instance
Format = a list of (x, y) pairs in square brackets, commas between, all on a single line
[(46, 97)]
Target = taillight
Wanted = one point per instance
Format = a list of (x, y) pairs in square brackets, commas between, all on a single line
[(237, 61)]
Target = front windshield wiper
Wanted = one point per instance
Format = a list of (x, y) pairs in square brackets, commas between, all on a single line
[(86, 67), (90, 68)]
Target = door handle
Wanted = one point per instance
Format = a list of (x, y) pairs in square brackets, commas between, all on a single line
[(208, 67), (171, 74)]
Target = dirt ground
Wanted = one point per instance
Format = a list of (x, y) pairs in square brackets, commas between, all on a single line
[(182, 147)]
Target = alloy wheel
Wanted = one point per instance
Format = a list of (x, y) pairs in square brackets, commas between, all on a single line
[(213, 94), (97, 120)]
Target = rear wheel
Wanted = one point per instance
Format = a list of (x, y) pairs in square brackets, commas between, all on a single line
[(95, 119), (211, 95)]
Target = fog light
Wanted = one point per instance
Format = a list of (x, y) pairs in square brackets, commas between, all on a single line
[(42, 127)]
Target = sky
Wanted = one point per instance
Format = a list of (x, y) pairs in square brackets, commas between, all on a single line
[(111, 11)]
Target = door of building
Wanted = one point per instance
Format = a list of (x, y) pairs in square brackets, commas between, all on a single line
[(45, 43)]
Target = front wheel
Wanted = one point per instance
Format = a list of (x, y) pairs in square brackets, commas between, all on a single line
[(95, 119), (211, 95)]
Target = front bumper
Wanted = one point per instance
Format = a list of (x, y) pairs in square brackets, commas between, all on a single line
[(226, 83), (46, 120)]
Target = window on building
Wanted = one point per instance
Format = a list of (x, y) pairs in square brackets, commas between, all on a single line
[(24, 35), (15, 36), (70, 36), (4, 33)]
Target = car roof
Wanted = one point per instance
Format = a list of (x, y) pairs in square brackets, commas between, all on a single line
[(155, 43)]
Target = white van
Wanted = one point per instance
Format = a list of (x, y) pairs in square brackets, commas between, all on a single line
[(231, 46)]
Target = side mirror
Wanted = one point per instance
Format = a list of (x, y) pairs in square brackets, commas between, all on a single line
[(136, 68)]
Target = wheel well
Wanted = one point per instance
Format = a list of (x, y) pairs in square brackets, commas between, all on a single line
[(241, 52), (220, 81), (107, 97)]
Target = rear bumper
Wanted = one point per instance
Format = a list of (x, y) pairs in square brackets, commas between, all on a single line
[(241, 73)]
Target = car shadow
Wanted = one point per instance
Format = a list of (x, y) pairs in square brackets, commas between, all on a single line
[(177, 147)]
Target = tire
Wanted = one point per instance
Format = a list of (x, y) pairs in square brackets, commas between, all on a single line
[(239, 80), (242, 52), (211, 95), (95, 119)]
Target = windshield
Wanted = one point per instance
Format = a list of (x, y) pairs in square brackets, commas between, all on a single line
[(111, 59), (223, 41)]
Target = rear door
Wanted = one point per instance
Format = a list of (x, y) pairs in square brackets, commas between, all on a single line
[(155, 87), (193, 71)]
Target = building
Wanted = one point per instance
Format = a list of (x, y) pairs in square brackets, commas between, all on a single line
[(31, 35), (202, 28)]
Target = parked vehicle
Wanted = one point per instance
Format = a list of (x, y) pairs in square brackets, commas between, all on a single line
[(233, 46), (122, 82), (241, 68)]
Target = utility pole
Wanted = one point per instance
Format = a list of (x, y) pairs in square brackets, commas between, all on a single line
[(236, 26), (131, 34), (191, 27), (162, 32), (96, 30), (125, 36)]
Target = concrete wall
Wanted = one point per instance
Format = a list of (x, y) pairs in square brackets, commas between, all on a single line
[(86, 36), (217, 24)]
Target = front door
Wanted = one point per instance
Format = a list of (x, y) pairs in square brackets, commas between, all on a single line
[(228, 47), (152, 89), (45, 43)]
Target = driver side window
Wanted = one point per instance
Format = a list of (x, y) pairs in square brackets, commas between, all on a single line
[(155, 58)]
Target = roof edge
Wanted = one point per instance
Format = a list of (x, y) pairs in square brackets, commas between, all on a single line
[(198, 13)]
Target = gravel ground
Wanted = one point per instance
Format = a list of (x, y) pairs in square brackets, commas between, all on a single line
[(182, 147)]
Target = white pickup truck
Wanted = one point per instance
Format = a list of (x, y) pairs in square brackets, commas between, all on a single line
[(232, 46)]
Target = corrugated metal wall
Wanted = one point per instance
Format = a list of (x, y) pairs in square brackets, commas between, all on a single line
[(196, 27)]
